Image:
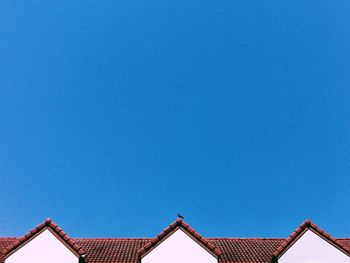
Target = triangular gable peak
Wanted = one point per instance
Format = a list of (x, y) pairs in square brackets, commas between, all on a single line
[(55, 230), (300, 231), (179, 224)]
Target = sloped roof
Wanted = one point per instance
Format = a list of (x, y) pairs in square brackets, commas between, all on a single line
[(47, 224), (308, 225), (179, 224), (5, 242), (246, 250), (125, 250)]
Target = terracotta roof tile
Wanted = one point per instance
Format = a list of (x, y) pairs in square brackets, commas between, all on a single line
[(179, 224), (308, 225), (47, 224), (125, 250), (4, 242)]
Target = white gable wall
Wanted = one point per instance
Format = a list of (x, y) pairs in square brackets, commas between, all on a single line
[(179, 248), (311, 248), (43, 248)]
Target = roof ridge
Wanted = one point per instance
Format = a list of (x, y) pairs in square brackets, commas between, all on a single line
[(307, 224), (47, 224), (179, 223), (111, 238), (240, 238)]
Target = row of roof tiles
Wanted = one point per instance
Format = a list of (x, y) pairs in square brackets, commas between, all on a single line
[(129, 250)]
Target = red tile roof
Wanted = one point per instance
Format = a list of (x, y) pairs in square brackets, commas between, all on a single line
[(125, 250), (179, 224), (247, 250), (4, 242), (47, 224), (308, 225)]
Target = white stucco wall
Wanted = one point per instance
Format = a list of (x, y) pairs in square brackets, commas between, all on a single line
[(311, 248), (43, 249), (179, 248)]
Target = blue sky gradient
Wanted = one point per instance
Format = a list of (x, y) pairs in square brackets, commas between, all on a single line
[(116, 115)]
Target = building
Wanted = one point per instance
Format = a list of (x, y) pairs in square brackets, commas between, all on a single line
[(178, 243)]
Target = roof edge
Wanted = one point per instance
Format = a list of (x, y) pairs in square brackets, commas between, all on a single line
[(179, 224), (47, 224), (297, 233)]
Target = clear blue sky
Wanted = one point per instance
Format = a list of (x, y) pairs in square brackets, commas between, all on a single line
[(116, 115)]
